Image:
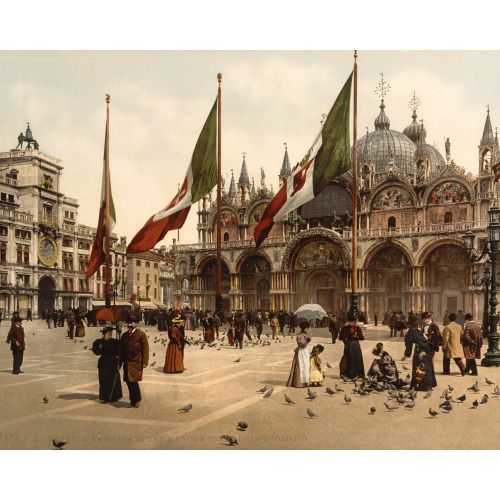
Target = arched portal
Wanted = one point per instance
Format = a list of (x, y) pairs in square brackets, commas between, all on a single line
[(46, 294)]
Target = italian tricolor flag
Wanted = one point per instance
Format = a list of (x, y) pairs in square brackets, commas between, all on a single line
[(98, 255), (326, 159), (199, 180)]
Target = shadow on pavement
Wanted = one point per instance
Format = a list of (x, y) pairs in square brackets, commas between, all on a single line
[(77, 396)]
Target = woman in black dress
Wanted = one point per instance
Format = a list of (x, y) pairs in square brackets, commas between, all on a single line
[(110, 387), (422, 360), (351, 364)]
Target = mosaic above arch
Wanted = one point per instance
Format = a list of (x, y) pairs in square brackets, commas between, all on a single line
[(448, 192), (228, 218), (256, 213), (317, 254), (394, 197)]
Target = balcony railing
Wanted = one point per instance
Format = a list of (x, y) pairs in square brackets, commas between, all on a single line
[(229, 244), (14, 214)]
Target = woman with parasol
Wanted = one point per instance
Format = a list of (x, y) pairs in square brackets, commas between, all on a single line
[(423, 376)]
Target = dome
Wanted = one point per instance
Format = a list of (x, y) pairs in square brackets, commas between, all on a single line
[(384, 146), (414, 130)]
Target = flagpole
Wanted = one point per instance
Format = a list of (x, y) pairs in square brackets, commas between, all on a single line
[(354, 277), (108, 270), (218, 293)]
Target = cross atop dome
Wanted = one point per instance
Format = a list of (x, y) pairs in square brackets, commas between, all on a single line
[(414, 103), (382, 88)]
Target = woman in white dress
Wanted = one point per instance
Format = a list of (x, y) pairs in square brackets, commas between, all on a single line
[(300, 372)]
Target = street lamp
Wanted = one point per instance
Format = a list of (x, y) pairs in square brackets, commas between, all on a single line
[(485, 280), (492, 356)]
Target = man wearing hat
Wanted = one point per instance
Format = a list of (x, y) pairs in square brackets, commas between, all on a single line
[(134, 355), (17, 345), (108, 348), (432, 334)]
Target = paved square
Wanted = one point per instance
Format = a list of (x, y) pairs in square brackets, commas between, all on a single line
[(223, 393)]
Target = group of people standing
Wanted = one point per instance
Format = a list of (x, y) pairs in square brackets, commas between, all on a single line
[(423, 341)]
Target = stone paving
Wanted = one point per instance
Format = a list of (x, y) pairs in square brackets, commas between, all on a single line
[(224, 393)]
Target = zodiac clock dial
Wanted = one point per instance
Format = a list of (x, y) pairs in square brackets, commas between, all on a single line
[(47, 251)]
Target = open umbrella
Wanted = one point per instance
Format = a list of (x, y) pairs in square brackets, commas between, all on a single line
[(310, 312), (106, 314)]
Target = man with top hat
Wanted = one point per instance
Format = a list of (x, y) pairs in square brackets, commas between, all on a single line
[(108, 348), (431, 333), (17, 345), (134, 356)]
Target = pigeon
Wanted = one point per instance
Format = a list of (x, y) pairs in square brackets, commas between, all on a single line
[(347, 399), (311, 394), (237, 360), (461, 398), (447, 408), (330, 391), (242, 426), (475, 404), (268, 394), (264, 389), (338, 389), (288, 400), (406, 367), (445, 393), (82, 341), (410, 405), (86, 347), (428, 394), (186, 408), (231, 440), (154, 354), (496, 391), (327, 364), (311, 413), (485, 399), (391, 408), (59, 444), (450, 388), (152, 364), (373, 410), (432, 413), (474, 388), (407, 377), (45, 399), (489, 382), (33, 333)]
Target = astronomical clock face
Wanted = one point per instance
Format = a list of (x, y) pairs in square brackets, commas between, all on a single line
[(47, 251)]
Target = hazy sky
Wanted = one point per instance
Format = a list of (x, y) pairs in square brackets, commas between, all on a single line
[(160, 100)]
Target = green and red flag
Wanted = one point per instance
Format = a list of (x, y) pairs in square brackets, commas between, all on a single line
[(199, 180), (325, 160), (98, 255)]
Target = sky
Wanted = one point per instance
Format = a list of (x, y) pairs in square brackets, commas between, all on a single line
[(160, 100)]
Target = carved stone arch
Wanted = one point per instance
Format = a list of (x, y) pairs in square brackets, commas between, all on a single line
[(207, 258), (433, 245), (244, 257), (454, 178), (309, 235), (392, 184), (376, 247)]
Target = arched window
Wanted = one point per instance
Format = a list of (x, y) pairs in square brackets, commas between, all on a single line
[(448, 218), (226, 236), (3, 252), (391, 222)]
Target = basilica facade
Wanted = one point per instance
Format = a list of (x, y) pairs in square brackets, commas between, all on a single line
[(414, 206)]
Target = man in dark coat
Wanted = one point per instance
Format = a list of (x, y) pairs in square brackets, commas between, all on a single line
[(393, 323), (334, 327), (432, 334), (108, 348), (17, 344), (258, 323), (472, 341), (239, 329), (134, 355)]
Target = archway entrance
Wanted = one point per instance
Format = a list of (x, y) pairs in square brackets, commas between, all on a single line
[(46, 294)]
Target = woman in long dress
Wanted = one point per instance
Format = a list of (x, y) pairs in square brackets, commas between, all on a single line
[(174, 358), (351, 364), (301, 364), (423, 377), (208, 325), (108, 348)]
